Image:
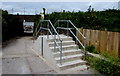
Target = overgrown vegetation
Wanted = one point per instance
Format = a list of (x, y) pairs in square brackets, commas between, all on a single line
[(11, 26), (109, 66), (100, 20), (106, 65), (91, 49)]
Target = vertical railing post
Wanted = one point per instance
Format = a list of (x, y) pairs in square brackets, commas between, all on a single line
[(54, 42), (61, 53), (48, 31), (67, 27), (85, 47), (76, 36), (58, 26), (41, 26), (42, 46)]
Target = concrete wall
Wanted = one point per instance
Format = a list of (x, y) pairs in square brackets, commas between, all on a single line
[(47, 53), (37, 45)]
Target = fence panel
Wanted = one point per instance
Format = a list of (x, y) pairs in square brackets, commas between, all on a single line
[(102, 40)]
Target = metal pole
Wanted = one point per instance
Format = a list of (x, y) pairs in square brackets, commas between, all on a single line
[(76, 36), (42, 46), (67, 27), (41, 26), (48, 31), (54, 46), (24, 11), (85, 48), (61, 53), (54, 42), (58, 26)]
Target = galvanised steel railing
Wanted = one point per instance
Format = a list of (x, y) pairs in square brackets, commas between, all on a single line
[(54, 37), (77, 31)]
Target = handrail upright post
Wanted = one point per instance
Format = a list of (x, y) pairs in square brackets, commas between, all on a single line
[(54, 42), (61, 53), (76, 36), (48, 32), (41, 26), (67, 27), (85, 47), (58, 26)]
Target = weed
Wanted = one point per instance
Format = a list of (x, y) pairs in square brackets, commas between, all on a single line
[(91, 49), (106, 67)]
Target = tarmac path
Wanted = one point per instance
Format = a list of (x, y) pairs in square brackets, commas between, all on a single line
[(18, 58)]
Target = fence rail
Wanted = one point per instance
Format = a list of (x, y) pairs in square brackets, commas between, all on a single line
[(102, 40)]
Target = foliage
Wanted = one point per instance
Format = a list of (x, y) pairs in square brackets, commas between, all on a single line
[(100, 20), (110, 57), (11, 26), (91, 49), (107, 64), (104, 66)]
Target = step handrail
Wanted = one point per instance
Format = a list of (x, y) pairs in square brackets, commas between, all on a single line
[(56, 34), (72, 25), (53, 28), (36, 31), (47, 29), (77, 31), (72, 34)]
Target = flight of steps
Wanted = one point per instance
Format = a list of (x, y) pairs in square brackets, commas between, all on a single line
[(71, 54)]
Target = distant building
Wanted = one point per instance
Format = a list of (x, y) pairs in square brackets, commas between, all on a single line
[(119, 5)]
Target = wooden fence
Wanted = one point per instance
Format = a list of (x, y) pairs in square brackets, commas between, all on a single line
[(102, 40)]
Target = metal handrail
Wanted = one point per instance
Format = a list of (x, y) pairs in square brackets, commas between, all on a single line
[(72, 34), (50, 33), (47, 30), (53, 28), (72, 25), (37, 30), (60, 47), (83, 45)]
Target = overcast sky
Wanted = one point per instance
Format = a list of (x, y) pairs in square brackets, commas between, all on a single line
[(36, 7)]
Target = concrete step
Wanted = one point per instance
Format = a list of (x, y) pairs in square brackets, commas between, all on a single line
[(69, 58), (51, 37), (71, 54), (63, 39), (51, 44), (71, 64), (75, 69), (68, 47), (67, 53)]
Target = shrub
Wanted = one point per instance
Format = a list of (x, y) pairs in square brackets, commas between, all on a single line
[(106, 67), (91, 49)]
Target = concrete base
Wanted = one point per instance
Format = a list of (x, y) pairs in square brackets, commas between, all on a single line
[(47, 53)]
